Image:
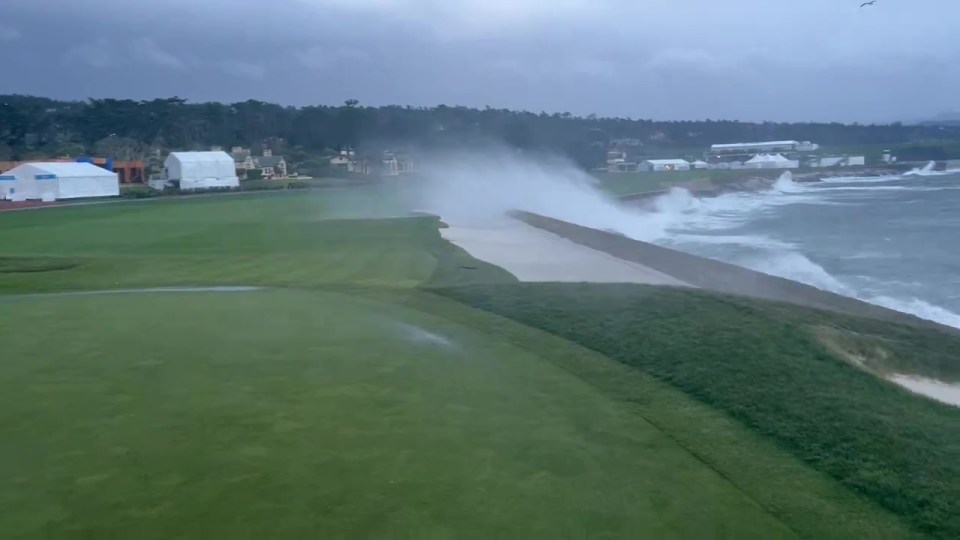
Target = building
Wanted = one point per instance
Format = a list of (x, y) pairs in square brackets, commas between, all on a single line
[(8, 186), (719, 153), (201, 170), (617, 162), (841, 161), (242, 159), (50, 181), (272, 166), (770, 161), (394, 165), (129, 172), (663, 165), (767, 147)]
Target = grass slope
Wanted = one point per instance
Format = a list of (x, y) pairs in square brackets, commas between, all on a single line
[(292, 414), (771, 374)]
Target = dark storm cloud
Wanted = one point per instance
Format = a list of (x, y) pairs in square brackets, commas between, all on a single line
[(749, 59)]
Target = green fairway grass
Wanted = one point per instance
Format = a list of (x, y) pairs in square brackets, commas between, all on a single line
[(383, 383), (307, 414), (762, 364), (264, 239)]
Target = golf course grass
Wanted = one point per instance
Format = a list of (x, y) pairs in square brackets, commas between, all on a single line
[(380, 382)]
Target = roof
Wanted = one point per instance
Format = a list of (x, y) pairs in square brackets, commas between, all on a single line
[(65, 169), (202, 157), (269, 161), (667, 161), (753, 144), (768, 158)]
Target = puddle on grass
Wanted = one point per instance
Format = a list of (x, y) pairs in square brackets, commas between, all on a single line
[(420, 335), (150, 290)]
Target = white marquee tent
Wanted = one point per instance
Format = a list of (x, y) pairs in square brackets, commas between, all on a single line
[(56, 180), (201, 170), (770, 161), (667, 165)]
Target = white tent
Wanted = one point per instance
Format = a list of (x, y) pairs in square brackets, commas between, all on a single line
[(667, 165), (201, 170), (56, 180), (8, 186), (770, 161), (700, 164)]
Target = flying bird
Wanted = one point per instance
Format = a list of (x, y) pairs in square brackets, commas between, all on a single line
[(870, 3)]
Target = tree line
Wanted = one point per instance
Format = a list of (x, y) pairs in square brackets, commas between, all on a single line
[(35, 127)]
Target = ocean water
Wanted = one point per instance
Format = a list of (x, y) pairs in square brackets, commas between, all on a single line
[(892, 241)]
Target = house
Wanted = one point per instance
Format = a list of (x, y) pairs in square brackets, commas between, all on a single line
[(50, 181), (347, 161), (664, 165), (394, 165), (272, 166), (242, 160), (201, 170)]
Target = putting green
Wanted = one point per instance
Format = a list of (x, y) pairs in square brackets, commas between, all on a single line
[(299, 414)]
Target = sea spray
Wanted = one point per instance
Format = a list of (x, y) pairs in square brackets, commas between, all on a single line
[(480, 188)]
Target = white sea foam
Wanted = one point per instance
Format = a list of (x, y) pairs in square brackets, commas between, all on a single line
[(798, 267), (920, 308), (926, 170), (861, 179)]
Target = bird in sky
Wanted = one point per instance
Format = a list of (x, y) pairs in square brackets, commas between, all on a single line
[(870, 3)]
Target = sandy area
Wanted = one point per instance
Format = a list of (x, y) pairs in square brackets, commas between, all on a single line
[(940, 391), (533, 254)]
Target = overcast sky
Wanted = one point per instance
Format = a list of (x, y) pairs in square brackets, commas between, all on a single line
[(665, 59)]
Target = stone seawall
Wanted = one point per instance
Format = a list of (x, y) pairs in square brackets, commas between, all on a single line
[(716, 275)]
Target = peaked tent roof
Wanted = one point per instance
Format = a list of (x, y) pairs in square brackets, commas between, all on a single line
[(202, 157), (668, 161), (66, 169)]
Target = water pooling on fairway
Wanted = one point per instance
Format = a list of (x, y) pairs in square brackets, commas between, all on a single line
[(148, 290), (420, 335)]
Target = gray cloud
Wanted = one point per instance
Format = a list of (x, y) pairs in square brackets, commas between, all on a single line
[(669, 59), (146, 51), (9, 33), (241, 68)]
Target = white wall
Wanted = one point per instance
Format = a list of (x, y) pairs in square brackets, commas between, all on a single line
[(78, 187), (8, 186), (201, 170)]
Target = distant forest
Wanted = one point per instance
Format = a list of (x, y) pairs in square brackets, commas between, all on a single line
[(35, 127)]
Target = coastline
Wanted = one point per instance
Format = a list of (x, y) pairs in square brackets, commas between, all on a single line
[(719, 276), (763, 179)]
